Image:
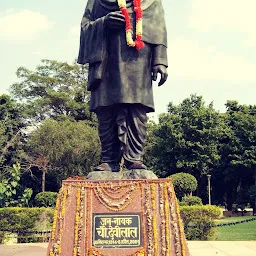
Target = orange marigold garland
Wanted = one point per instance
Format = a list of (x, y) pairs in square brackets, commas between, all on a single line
[(55, 215), (88, 218), (167, 220), (138, 43), (182, 238), (80, 197), (77, 218), (143, 215), (174, 221), (61, 221), (149, 219), (162, 214), (116, 204), (57, 222), (153, 195), (154, 219), (155, 234), (95, 252), (113, 189), (180, 224), (80, 224), (114, 195), (69, 189)]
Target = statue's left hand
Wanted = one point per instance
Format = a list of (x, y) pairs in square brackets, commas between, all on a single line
[(163, 72)]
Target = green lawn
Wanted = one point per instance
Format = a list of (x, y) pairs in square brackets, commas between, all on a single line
[(244, 231)]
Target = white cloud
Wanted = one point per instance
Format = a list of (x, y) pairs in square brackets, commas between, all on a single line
[(22, 25), (231, 15), (189, 60)]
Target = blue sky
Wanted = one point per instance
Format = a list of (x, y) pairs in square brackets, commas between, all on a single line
[(211, 45)]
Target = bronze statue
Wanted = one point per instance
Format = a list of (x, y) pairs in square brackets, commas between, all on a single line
[(125, 44)]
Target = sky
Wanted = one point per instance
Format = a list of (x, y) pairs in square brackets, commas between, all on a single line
[(211, 46)]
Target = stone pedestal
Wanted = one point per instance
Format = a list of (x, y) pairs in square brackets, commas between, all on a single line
[(123, 175), (117, 218)]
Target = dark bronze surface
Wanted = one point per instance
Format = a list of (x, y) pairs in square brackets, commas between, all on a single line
[(120, 77)]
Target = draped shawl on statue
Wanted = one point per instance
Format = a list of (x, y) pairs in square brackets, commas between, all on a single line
[(92, 43), (118, 73)]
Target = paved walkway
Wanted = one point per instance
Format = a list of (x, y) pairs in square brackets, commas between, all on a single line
[(202, 248)]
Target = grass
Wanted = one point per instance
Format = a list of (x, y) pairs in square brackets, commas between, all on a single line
[(239, 232)]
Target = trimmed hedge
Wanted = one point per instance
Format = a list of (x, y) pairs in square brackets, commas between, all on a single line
[(46, 199), (198, 219), (25, 219), (184, 184), (191, 200)]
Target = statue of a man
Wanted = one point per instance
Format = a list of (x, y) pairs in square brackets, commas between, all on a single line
[(125, 44)]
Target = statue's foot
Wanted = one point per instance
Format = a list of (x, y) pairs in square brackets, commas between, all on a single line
[(138, 165), (109, 167)]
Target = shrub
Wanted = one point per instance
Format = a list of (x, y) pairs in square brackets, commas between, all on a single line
[(46, 199), (184, 184), (21, 220), (11, 192), (198, 220), (191, 200), (15, 218)]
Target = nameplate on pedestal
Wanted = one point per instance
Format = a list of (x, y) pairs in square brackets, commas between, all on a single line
[(116, 230)]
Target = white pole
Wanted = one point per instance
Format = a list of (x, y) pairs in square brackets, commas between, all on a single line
[(209, 188)]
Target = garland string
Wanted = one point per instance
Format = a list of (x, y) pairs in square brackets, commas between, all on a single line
[(138, 43)]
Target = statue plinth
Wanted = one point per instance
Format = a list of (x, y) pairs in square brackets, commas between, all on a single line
[(123, 175), (117, 218)]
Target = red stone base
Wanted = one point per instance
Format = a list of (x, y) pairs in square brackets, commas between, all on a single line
[(117, 218)]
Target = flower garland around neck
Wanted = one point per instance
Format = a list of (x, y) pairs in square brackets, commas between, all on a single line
[(138, 43)]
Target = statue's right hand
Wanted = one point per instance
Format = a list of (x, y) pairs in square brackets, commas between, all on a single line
[(115, 20)]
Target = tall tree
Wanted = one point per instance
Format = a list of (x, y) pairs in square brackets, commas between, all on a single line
[(66, 147), (238, 162), (55, 89), (186, 140), (12, 123)]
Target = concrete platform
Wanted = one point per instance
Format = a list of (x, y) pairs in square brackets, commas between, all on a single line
[(222, 248), (197, 248)]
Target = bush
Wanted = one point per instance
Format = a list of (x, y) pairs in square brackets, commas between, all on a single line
[(191, 200), (200, 218), (21, 220), (46, 199), (184, 184)]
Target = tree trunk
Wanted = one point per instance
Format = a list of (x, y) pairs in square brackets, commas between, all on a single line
[(229, 199), (254, 203), (43, 180)]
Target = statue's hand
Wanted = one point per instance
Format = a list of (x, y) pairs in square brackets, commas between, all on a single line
[(162, 70), (115, 20)]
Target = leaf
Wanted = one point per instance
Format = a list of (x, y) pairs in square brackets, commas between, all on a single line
[(8, 193), (14, 184)]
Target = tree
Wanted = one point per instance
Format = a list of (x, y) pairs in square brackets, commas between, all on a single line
[(201, 128), (67, 147), (186, 140), (238, 151), (184, 184), (55, 89), (12, 125), (11, 192)]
